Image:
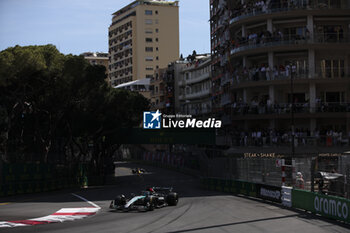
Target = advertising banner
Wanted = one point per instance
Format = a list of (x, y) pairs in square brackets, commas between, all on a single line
[(328, 206), (268, 192)]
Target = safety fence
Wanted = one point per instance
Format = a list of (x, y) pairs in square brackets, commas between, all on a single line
[(22, 178), (171, 161), (164, 158), (266, 192), (326, 205)]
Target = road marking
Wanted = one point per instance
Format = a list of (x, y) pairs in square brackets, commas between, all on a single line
[(84, 199), (64, 214), (5, 203)]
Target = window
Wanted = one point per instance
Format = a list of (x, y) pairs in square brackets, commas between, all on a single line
[(149, 49), (157, 49), (149, 21), (148, 31), (157, 30), (149, 58), (332, 68), (157, 58), (149, 68), (149, 76), (156, 12), (157, 67), (156, 21), (148, 12), (149, 40)]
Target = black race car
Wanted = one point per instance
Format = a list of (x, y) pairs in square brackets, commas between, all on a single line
[(155, 197), (138, 171)]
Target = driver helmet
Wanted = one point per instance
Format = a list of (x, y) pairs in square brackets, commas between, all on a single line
[(150, 189)]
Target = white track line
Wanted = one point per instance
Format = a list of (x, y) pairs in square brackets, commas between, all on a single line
[(84, 199)]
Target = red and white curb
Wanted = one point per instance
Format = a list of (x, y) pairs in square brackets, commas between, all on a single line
[(64, 214)]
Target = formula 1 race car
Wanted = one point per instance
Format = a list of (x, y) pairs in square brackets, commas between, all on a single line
[(138, 171), (155, 197)]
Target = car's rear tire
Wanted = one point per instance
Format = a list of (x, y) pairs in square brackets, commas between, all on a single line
[(172, 199)]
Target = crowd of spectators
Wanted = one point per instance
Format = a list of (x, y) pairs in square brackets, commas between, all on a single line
[(265, 106), (265, 36), (262, 6), (264, 72), (302, 137)]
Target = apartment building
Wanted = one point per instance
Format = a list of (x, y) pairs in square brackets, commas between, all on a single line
[(159, 90), (143, 37), (280, 69), (195, 86), (164, 87)]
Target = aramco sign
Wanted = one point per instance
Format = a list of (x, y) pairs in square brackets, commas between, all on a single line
[(332, 207)]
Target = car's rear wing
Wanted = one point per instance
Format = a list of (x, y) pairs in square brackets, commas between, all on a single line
[(163, 189)]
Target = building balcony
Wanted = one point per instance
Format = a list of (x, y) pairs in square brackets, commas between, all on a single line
[(256, 44), (197, 79), (288, 9), (280, 76), (272, 139), (245, 111), (197, 95)]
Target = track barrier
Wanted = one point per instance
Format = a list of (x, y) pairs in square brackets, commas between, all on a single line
[(326, 205)]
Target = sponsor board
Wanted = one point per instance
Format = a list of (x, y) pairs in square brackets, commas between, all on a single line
[(331, 207), (269, 192), (325, 205)]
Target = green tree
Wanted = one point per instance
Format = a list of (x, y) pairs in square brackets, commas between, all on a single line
[(52, 103)]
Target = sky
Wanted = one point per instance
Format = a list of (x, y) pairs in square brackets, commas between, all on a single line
[(77, 26)]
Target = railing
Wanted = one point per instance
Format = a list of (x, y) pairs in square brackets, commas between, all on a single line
[(198, 94), (197, 78), (285, 108), (266, 139), (318, 38), (256, 74), (240, 14)]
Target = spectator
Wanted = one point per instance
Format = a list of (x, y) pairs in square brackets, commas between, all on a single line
[(299, 183)]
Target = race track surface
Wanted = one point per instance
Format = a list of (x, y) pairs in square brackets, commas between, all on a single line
[(198, 210)]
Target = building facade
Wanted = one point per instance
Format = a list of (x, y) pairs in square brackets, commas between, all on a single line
[(280, 69), (195, 86), (164, 87), (143, 36), (158, 90)]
